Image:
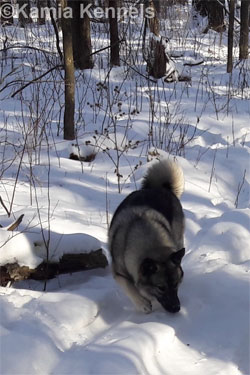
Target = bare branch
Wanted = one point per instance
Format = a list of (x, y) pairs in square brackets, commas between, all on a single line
[(6, 209), (36, 79)]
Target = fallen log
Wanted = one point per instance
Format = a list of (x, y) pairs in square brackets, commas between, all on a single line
[(68, 263)]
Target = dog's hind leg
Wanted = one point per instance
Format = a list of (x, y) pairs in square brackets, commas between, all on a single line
[(141, 303)]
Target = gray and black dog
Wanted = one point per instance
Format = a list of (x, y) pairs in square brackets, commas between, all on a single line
[(146, 239)]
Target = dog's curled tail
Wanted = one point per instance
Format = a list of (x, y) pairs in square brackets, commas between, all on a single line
[(165, 174)]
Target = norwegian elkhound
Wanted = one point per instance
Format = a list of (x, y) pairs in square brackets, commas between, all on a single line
[(146, 239)]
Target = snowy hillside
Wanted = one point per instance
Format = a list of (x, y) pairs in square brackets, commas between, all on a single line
[(83, 323)]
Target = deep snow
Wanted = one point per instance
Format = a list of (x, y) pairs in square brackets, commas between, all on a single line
[(83, 323)]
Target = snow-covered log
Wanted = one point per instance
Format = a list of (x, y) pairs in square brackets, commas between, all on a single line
[(69, 263), (25, 255)]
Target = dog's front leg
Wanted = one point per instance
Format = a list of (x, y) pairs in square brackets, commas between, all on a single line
[(141, 303)]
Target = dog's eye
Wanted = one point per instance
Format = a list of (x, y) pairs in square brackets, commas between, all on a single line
[(161, 288), (175, 285)]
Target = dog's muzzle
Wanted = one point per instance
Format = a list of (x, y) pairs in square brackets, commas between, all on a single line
[(170, 303)]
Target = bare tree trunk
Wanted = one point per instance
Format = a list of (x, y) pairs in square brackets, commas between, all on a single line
[(56, 26), (244, 29), (114, 36), (230, 36), (24, 12), (200, 7), (157, 59), (69, 111), (82, 48), (157, 5), (154, 24), (213, 10), (159, 64), (41, 16), (216, 15)]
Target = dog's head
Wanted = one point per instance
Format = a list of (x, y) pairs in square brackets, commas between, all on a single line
[(161, 279)]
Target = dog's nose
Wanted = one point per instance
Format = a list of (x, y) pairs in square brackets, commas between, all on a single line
[(175, 308)]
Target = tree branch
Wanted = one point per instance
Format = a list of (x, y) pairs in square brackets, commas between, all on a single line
[(36, 79)]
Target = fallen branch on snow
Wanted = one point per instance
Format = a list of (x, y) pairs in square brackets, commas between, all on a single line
[(69, 263)]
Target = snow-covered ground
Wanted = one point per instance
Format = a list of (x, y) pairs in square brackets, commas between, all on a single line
[(83, 323)]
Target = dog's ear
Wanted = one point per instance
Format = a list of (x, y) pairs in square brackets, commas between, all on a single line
[(148, 267), (177, 256)]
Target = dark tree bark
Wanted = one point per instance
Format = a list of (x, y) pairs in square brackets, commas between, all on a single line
[(24, 12), (114, 36), (41, 16), (244, 29), (157, 64), (82, 47), (69, 80), (213, 10), (157, 5), (154, 24), (200, 7), (56, 26), (157, 58), (230, 36)]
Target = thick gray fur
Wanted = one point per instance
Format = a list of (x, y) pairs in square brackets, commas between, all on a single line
[(148, 225)]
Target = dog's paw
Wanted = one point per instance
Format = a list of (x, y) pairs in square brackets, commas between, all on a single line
[(144, 305)]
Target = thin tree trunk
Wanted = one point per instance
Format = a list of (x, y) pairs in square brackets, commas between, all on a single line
[(154, 24), (230, 36), (244, 29), (41, 4), (87, 62), (82, 47), (114, 37), (157, 59), (56, 27), (69, 111), (24, 12)]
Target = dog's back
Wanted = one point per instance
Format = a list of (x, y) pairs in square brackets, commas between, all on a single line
[(161, 189)]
